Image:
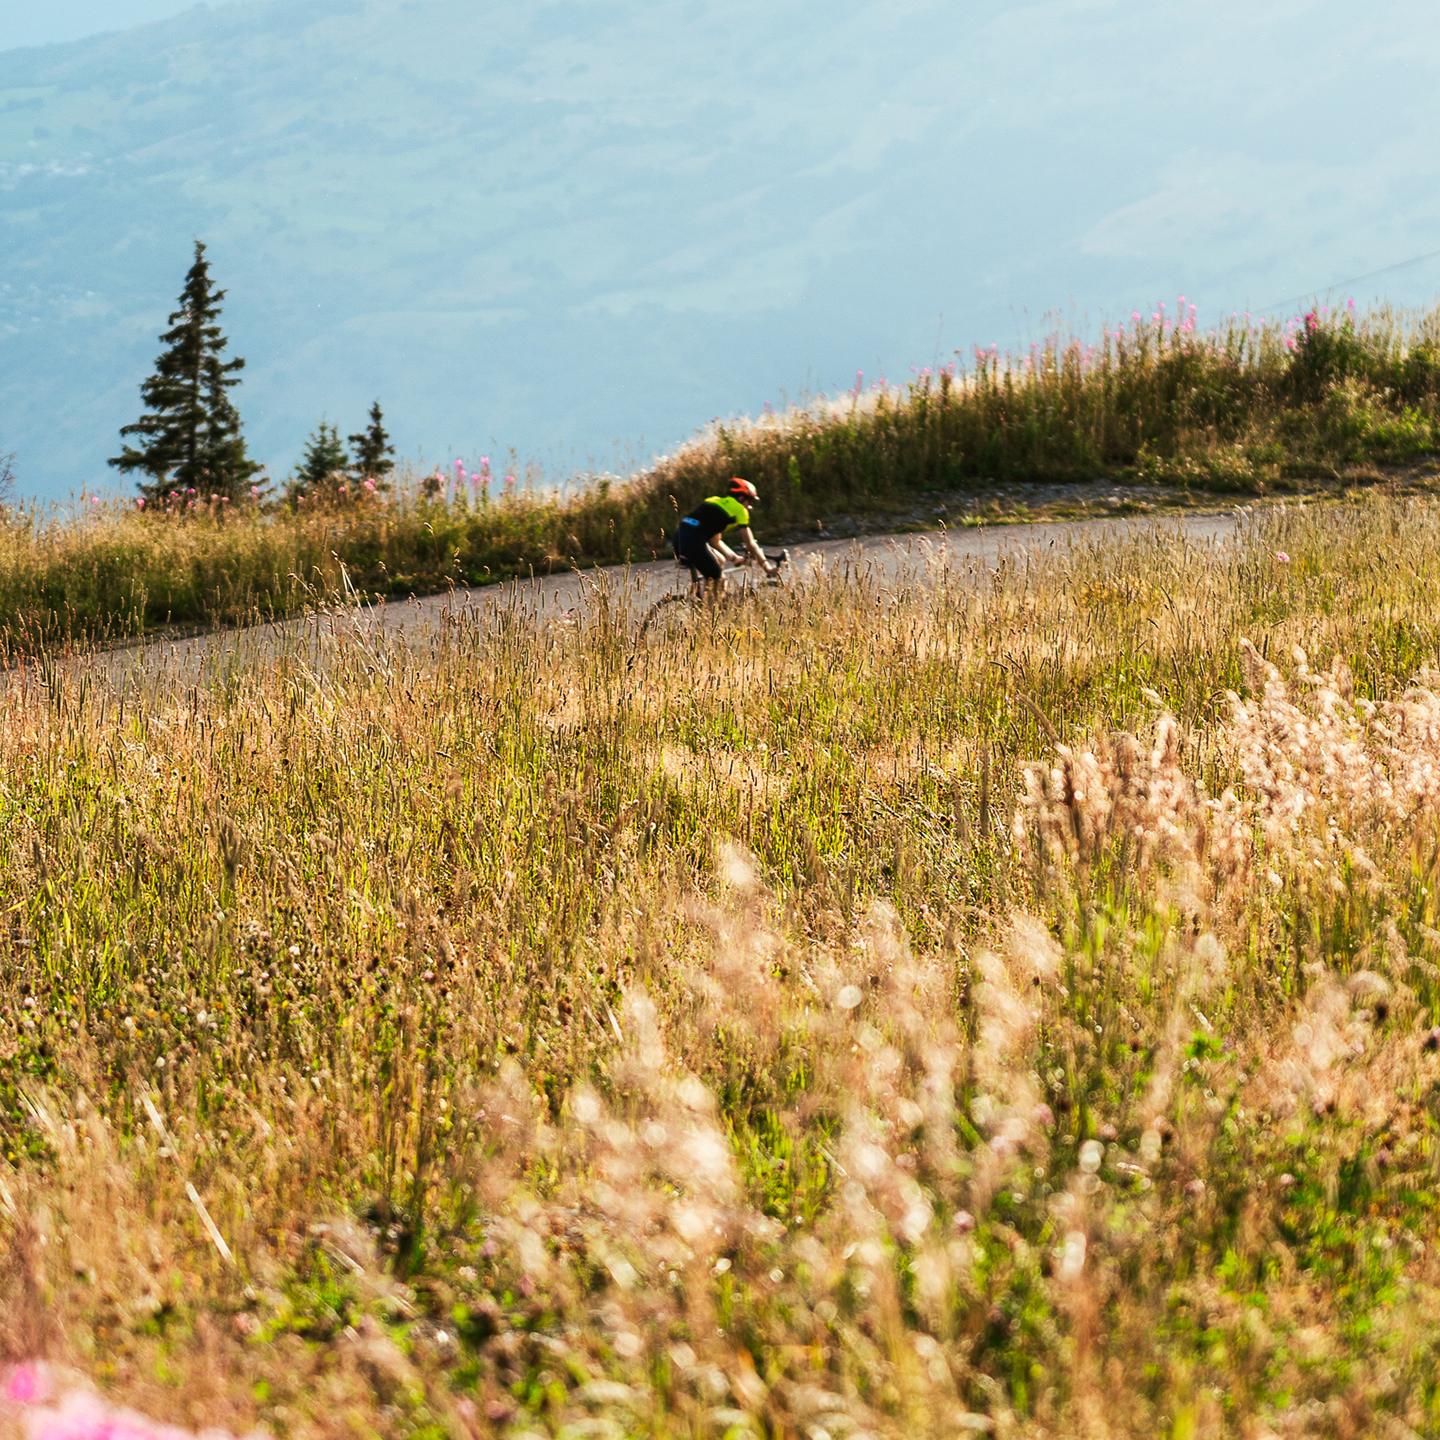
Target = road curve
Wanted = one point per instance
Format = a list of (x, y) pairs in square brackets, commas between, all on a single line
[(884, 556)]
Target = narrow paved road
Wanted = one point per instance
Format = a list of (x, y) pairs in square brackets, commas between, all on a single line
[(883, 556)]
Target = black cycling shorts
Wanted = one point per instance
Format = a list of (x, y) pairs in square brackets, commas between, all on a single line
[(696, 554)]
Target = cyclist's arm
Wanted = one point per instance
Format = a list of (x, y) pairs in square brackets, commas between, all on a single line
[(748, 540)]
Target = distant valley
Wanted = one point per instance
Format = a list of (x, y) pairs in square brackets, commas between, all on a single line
[(583, 230)]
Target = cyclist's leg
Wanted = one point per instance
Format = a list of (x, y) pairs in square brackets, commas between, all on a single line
[(705, 570)]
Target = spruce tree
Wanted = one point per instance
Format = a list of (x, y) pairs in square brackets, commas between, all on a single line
[(372, 450), (323, 468), (189, 437)]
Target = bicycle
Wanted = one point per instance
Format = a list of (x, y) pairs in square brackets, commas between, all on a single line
[(695, 595)]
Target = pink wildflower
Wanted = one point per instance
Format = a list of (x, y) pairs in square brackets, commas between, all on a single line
[(1282, 557), (139, 502), (84, 1417), (24, 1385)]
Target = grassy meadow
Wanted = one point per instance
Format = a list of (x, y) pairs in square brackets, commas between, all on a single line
[(1246, 408), (979, 1005)]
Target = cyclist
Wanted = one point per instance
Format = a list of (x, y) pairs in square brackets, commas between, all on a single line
[(698, 539)]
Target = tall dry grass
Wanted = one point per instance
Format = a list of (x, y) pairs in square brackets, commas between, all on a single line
[(979, 1005), (1245, 408)]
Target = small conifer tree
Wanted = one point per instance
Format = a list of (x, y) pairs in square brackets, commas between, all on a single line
[(189, 439), (373, 451), (323, 468)]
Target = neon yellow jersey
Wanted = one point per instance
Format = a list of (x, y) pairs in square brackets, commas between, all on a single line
[(738, 514), (712, 517)]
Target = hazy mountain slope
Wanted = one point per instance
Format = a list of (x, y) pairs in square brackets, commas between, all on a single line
[(576, 226)]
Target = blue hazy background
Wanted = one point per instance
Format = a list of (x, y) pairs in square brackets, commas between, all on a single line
[(583, 228), (22, 24)]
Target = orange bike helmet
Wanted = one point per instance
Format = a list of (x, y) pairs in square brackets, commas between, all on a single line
[(744, 491)]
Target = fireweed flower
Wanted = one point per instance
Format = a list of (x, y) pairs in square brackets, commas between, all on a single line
[(24, 1385), (27, 1393)]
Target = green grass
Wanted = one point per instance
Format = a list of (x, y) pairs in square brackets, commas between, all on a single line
[(848, 1008), (1247, 409)]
